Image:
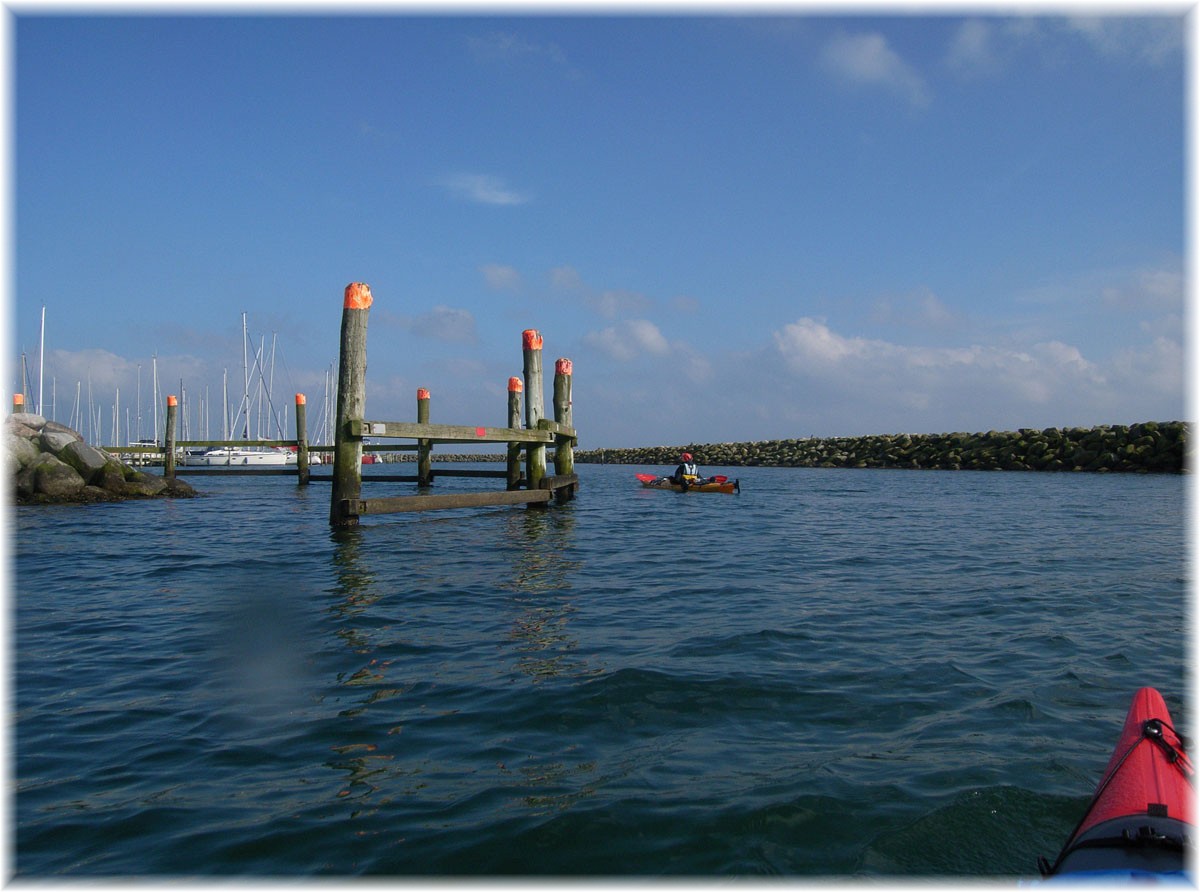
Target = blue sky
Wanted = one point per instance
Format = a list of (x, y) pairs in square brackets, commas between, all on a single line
[(738, 228)]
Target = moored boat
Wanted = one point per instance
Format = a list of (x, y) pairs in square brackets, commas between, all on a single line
[(239, 456), (717, 483), (1139, 822)]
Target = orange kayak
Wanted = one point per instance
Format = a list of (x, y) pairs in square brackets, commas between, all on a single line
[(1140, 818), (712, 484)]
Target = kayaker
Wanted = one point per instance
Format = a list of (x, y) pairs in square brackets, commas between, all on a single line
[(687, 472)]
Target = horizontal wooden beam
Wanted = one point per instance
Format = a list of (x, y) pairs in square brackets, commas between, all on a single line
[(446, 433), (554, 427), (235, 471), (559, 481), (397, 504)]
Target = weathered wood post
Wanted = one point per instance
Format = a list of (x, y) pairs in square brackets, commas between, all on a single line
[(424, 447), (564, 449), (169, 455), (301, 440), (535, 454), (514, 421), (351, 403)]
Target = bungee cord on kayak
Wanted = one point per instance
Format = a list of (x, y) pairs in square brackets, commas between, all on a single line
[(1139, 818)]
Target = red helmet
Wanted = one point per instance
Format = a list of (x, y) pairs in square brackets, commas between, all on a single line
[(687, 456)]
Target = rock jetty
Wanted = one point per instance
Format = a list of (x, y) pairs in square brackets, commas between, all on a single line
[(51, 464), (1149, 447)]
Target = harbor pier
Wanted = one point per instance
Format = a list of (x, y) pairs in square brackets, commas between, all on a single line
[(536, 488)]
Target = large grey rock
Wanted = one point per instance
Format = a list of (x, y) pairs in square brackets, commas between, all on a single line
[(55, 479), (29, 419), (18, 452), (89, 462), (50, 462), (56, 441), (144, 484), (55, 427)]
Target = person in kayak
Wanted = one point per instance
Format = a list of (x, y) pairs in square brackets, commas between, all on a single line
[(687, 473)]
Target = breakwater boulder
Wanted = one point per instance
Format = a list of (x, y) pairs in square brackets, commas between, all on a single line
[(50, 463), (1149, 447)]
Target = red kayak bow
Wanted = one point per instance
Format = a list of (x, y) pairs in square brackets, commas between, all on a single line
[(1142, 808)]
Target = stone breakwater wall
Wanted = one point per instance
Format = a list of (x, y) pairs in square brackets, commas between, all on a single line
[(50, 464), (1149, 447)]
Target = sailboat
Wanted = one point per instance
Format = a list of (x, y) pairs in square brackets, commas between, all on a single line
[(248, 455)]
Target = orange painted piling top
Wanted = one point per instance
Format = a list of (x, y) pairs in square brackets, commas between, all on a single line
[(358, 296), (562, 366), (515, 385), (531, 339), (18, 399), (300, 399), (422, 393), (171, 401)]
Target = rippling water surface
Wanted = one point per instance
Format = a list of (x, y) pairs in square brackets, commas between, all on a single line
[(833, 673)]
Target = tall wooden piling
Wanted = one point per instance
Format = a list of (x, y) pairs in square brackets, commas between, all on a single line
[(535, 453), (564, 449), (169, 438), (514, 421), (351, 401), (18, 403), (301, 440), (424, 447)]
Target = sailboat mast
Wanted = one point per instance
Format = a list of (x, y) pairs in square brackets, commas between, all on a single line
[(246, 379), (41, 359), (154, 386)]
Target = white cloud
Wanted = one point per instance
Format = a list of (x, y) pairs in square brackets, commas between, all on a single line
[(1147, 288), (501, 278), (867, 60), (920, 309), (972, 48), (444, 323), (629, 340), (979, 47), (566, 278), (483, 189), (609, 304), (1048, 382), (1151, 39), (508, 47)]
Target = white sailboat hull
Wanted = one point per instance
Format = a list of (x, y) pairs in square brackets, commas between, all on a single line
[(241, 457)]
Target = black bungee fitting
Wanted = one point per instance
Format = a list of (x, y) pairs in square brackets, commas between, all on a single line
[(1143, 836)]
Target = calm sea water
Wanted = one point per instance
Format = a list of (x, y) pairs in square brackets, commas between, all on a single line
[(834, 673)]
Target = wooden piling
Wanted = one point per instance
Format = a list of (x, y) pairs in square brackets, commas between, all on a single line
[(514, 421), (564, 447), (18, 403), (351, 401), (424, 447), (535, 453), (169, 439), (302, 474), (564, 451)]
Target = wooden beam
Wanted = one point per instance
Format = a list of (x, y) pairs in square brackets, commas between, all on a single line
[(558, 481), (397, 504), (445, 433), (554, 427)]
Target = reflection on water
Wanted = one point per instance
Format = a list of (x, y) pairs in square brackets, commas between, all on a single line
[(541, 578), (405, 591), (355, 582)]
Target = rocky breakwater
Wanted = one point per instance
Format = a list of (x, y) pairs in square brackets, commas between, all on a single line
[(50, 463), (1149, 447)]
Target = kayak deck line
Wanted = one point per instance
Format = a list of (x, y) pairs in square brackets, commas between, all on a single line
[(1140, 818)]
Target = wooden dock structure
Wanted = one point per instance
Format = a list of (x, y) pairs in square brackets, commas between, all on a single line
[(536, 488)]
